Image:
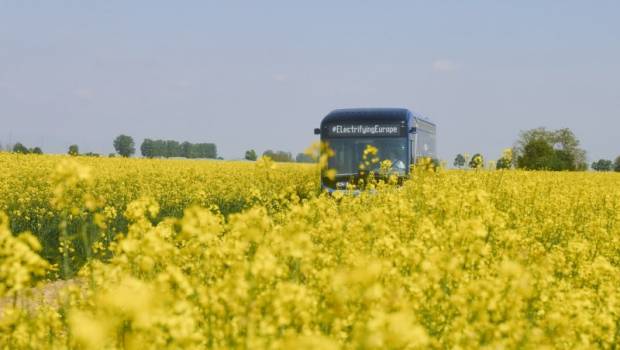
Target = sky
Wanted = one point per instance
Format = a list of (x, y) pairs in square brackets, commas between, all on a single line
[(262, 74)]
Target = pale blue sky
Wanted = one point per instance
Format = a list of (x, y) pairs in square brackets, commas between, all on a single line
[(263, 74)]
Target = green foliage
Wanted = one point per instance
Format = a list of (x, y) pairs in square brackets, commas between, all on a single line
[(147, 148), (74, 150), (124, 145), (603, 165), (250, 155), (278, 156), (304, 158), (203, 150), (568, 155), (537, 154), (564, 160), (502, 164), (170, 148), (20, 148), (617, 164), (477, 161), (459, 161), (505, 162)]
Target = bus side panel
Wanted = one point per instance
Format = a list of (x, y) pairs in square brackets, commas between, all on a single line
[(422, 145), (413, 148), (426, 144)]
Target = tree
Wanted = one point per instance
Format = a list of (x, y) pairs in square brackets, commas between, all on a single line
[(19, 148), (36, 150), (537, 154), (147, 149), (250, 154), (283, 156), (567, 142), (459, 161), (124, 145), (502, 164), (206, 150), (187, 150), (74, 150), (278, 156), (505, 162), (477, 161), (171, 148), (564, 144), (159, 148), (564, 160), (617, 164), (603, 165), (304, 158), (542, 154)]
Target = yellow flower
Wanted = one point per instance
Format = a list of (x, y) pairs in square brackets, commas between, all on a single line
[(197, 254)]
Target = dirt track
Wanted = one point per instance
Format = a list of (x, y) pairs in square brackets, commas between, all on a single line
[(46, 294)]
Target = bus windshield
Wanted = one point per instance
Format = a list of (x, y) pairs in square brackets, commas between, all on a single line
[(349, 153)]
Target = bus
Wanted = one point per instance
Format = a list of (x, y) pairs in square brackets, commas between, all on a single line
[(398, 134)]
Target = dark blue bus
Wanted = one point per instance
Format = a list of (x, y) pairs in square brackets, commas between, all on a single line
[(397, 133)]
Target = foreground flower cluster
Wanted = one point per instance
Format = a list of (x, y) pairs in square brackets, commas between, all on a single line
[(452, 259)]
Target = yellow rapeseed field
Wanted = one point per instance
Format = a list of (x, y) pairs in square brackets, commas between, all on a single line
[(216, 255)]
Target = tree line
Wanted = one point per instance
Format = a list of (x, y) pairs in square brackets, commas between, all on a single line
[(125, 146), (542, 149), (20, 148), (535, 149), (607, 165), (170, 148), (280, 156)]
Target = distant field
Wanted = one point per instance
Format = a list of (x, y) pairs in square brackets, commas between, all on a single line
[(250, 255)]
